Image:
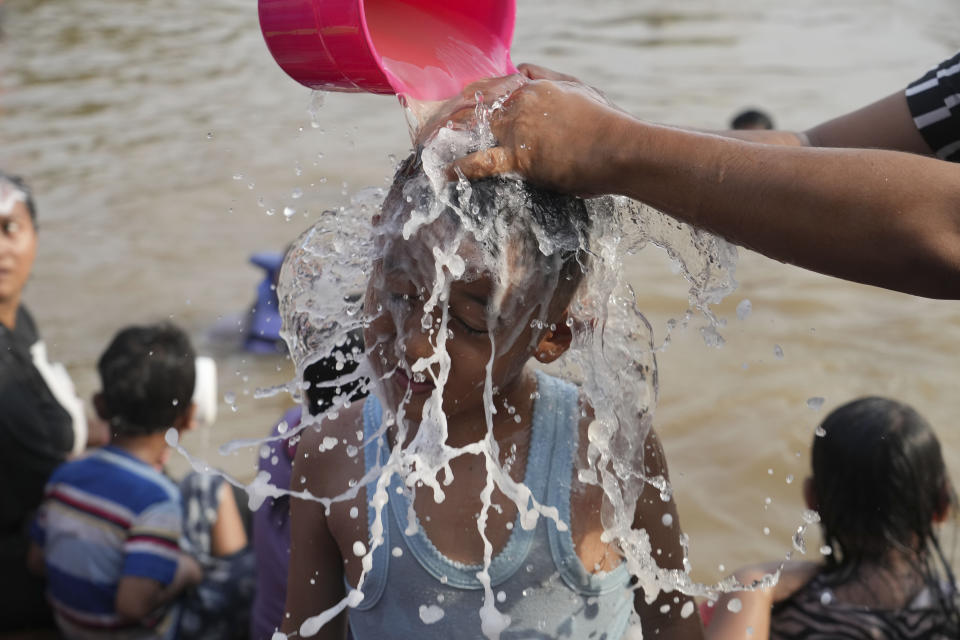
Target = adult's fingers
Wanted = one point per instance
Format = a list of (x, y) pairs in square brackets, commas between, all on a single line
[(493, 88), (536, 72), (484, 164)]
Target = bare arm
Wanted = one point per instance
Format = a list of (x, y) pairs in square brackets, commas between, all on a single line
[(681, 620), (871, 215), (227, 535), (137, 597), (753, 614), (315, 578)]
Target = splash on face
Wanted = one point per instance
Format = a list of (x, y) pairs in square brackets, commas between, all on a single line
[(449, 297)]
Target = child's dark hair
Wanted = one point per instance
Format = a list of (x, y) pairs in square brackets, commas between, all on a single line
[(881, 484), (20, 184), (558, 224), (751, 119), (342, 362), (148, 374)]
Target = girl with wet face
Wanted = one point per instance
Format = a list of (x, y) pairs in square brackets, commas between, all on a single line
[(459, 511)]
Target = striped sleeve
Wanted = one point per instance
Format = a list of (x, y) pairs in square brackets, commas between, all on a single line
[(152, 546), (934, 102)]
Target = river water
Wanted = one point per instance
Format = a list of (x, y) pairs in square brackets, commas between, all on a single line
[(153, 131)]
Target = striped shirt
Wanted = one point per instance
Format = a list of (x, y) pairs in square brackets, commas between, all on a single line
[(934, 102), (105, 516)]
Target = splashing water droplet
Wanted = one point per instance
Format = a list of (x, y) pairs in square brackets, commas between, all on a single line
[(430, 614), (744, 309), (798, 542), (317, 98), (734, 605)]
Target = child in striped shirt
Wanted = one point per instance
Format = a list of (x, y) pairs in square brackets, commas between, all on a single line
[(107, 535)]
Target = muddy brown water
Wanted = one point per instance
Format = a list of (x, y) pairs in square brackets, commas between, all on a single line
[(151, 129)]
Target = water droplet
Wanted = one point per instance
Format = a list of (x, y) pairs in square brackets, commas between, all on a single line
[(174, 402), (238, 176), (289, 212), (230, 397), (396, 552), (815, 403), (744, 309), (734, 605), (296, 193), (790, 479), (826, 550), (667, 519), (209, 135), (359, 549), (501, 596), (798, 542), (778, 352), (354, 512)]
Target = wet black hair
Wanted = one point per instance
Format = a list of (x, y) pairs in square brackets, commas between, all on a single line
[(751, 119), (562, 219), (21, 185), (147, 376), (880, 484), (342, 362)]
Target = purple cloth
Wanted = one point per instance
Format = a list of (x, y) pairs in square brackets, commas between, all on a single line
[(271, 537)]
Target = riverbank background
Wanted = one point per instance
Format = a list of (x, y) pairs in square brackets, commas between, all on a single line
[(158, 135)]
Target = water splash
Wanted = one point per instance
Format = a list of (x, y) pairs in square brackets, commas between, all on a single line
[(612, 356)]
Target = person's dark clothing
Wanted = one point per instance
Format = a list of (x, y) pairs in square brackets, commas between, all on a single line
[(36, 435), (934, 101), (815, 613)]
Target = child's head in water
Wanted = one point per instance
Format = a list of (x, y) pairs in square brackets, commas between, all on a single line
[(511, 256), (880, 486)]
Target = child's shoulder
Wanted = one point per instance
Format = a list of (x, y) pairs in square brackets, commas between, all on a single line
[(330, 451), (113, 474)]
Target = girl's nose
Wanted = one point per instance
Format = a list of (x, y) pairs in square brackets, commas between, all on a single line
[(417, 340)]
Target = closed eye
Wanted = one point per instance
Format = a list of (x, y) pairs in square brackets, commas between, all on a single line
[(468, 328)]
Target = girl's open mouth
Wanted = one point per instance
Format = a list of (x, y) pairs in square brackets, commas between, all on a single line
[(403, 380)]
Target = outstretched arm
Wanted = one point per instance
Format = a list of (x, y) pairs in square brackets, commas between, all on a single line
[(881, 217)]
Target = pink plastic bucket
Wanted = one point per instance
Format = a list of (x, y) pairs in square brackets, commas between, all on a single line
[(426, 49)]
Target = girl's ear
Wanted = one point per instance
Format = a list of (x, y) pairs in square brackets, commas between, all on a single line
[(810, 494), (554, 342)]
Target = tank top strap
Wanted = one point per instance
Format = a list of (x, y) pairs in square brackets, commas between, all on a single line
[(373, 448), (566, 425)]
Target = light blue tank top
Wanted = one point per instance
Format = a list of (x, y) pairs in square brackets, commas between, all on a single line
[(538, 578)]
